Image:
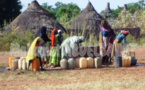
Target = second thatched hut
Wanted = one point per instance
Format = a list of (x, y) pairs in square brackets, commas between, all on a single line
[(87, 22)]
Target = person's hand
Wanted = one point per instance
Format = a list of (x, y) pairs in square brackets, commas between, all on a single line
[(52, 47)]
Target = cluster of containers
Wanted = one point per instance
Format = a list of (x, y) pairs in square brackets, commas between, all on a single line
[(21, 64), (126, 60), (81, 63)]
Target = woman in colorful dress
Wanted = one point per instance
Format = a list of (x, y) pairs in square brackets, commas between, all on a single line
[(54, 53), (37, 48), (107, 36), (121, 37)]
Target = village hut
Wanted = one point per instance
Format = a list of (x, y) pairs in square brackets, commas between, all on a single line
[(33, 18), (88, 21), (107, 12), (125, 8)]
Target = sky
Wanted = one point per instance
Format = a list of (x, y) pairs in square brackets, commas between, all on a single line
[(99, 5)]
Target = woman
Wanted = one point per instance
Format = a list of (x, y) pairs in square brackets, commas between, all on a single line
[(60, 36), (121, 37), (54, 53), (37, 49), (107, 36), (70, 46)]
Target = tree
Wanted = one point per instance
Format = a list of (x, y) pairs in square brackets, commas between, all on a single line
[(69, 10), (9, 10), (115, 12), (62, 12), (142, 3), (132, 7), (49, 9)]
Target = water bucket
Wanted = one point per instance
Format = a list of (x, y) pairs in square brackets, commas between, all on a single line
[(77, 65), (35, 65), (98, 62), (10, 62), (24, 64), (20, 64), (64, 64), (15, 64), (83, 62), (90, 62), (117, 61), (71, 63)]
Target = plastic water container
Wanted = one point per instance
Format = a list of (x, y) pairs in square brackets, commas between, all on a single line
[(64, 64), (71, 63), (20, 64), (83, 62), (129, 61), (10, 62), (126, 61), (15, 64), (24, 64), (117, 61), (36, 65), (98, 62), (77, 65), (133, 62), (90, 62)]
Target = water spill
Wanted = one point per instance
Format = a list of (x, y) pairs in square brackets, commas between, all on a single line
[(140, 64), (2, 70)]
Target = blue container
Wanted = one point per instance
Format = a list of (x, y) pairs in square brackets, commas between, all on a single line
[(117, 61), (133, 62)]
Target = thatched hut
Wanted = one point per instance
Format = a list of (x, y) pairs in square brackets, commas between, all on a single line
[(88, 21), (107, 10), (125, 8), (33, 18)]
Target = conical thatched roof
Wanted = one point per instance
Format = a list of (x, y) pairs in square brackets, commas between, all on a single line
[(88, 20), (107, 10), (125, 7), (33, 18)]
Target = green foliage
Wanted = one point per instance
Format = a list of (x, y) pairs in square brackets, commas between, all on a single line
[(62, 12), (21, 39), (9, 9), (115, 12), (132, 7), (49, 9), (142, 3), (68, 10)]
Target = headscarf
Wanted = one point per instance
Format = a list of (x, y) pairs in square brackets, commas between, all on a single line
[(59, 31), (124, 32), (82, 38), (42, 33)]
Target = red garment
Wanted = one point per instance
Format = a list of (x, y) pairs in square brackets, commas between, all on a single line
[(124, 32), (53, 37), (52, 40)]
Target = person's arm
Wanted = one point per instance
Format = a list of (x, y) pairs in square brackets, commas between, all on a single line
[(124, 40)]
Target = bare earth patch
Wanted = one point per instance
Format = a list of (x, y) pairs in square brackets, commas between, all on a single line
[(130, 78)]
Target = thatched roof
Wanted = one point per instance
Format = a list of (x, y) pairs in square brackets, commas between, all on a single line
[(125, 7), (33, 18), (107, 10), (88, 20)]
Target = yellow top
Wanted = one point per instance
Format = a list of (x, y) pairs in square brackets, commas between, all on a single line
[(32, 50)]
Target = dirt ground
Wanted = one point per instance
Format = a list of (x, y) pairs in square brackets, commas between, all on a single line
[(128, 78)]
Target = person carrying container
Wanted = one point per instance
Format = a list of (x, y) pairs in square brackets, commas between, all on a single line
[(37, 49)]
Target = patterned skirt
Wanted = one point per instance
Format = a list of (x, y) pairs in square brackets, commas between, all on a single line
[(55, 56)]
